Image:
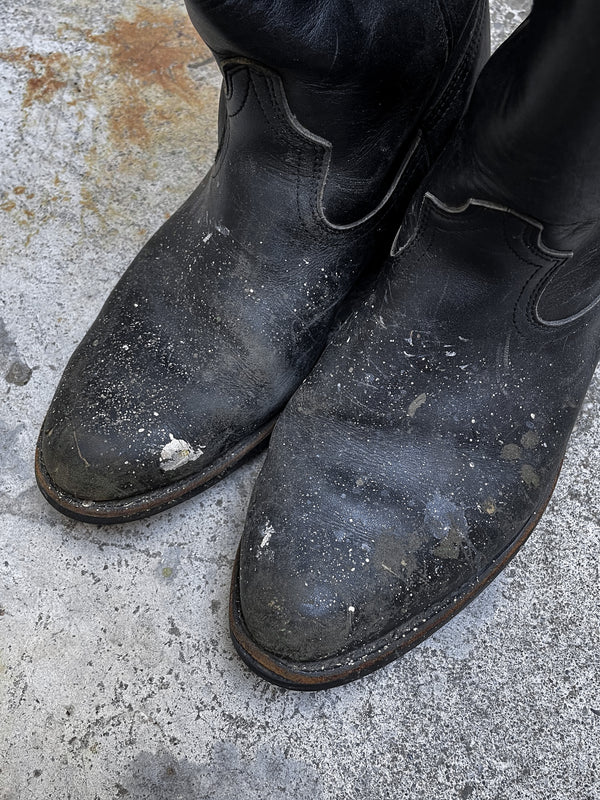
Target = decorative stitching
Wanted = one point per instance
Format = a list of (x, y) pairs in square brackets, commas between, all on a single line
[(441, 105), (244, 99), (259, 101)]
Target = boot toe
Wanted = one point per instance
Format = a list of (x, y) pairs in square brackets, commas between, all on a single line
[(360, 542), (329, 577), (297, 618), (115, 463), (80, 464), (113, 435)]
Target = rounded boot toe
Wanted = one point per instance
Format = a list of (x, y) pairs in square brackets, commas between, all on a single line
[(294, 619)]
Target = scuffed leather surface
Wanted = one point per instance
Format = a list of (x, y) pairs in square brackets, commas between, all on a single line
[(218, 318), (429, 436), (530, 138), (229, 305)]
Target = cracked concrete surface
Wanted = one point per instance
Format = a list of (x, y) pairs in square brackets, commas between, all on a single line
[(117, 676)]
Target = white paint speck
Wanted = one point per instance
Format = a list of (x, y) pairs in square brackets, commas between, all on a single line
[(416, 404), (176, 453), (267, 533)]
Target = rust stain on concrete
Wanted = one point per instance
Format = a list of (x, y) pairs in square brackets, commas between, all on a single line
[(140, 76), (23, 214), (154, 48), (134, 81), (47, 70), (149, 57)]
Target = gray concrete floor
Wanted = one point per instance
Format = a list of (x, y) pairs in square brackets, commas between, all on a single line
[(117, 676)]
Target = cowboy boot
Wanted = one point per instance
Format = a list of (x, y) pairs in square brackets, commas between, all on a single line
[(422, 450), (330, 115)]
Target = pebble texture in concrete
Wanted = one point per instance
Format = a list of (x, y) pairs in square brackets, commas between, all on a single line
[(117, 676)]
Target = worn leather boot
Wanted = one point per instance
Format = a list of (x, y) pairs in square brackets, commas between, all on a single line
[(330, 116), (420, 453)]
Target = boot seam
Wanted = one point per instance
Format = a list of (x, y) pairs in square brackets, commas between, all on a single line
[(439, 112)]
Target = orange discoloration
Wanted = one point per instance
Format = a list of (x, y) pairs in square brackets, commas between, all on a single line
[(50, 78), (48, 73), (87, 201), (135, 83), (154, 48), (148, 53)]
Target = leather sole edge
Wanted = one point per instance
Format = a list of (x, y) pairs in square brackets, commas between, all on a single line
[(113, 512)]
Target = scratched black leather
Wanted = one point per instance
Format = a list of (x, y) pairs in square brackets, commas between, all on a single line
[(330, 116), (425, 444)]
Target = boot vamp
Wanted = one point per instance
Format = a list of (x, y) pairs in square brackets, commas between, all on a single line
[(200, 343), (427, 440)]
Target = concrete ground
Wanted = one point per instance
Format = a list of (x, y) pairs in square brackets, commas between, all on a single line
[(117, 675)]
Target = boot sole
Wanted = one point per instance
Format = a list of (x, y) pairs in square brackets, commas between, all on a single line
[(111, 512), (325, 674)]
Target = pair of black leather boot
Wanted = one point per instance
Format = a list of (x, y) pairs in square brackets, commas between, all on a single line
[(423, 446)]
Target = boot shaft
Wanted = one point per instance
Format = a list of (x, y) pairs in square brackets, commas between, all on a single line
[(531, 138), (357, 74)]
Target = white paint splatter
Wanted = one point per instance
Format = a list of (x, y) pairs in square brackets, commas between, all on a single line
[(267, 533), (176, 453), (416, 404)]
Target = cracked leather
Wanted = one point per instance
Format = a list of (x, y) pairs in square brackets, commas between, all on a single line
[(229, 305), (424, 446)]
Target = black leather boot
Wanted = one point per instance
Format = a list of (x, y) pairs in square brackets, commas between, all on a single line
[(330, 115), (420, 453)]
